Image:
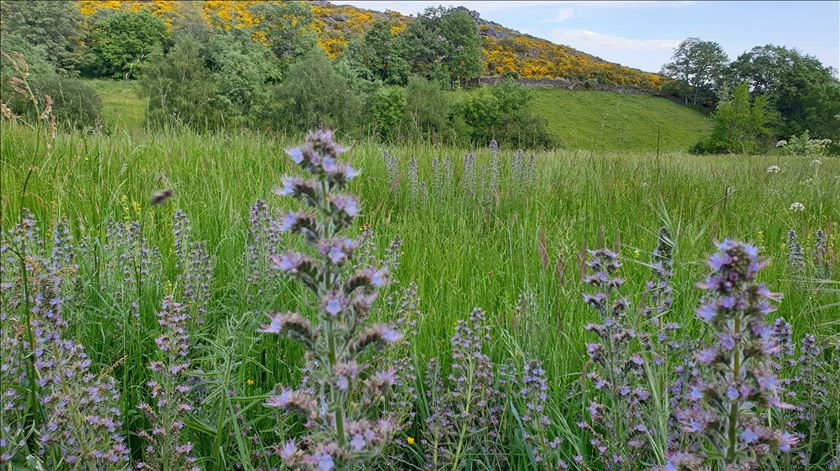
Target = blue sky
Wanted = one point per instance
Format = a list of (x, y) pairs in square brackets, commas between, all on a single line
[(643, 34)]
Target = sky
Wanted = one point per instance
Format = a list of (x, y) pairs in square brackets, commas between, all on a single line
[(643, 34)]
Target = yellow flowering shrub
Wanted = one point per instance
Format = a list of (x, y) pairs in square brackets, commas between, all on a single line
[(505, 51)]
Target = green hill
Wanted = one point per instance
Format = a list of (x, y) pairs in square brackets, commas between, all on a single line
[(580, 120), (615, 121)]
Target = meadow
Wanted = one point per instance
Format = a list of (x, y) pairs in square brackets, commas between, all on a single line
[(497, 232)]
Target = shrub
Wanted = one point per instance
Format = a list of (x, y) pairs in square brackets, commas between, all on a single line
[(122, 41), (35, 56), (243, 72), (387, 109), (427, 108), (740, 125), (502, 113), (314, 94), (804, 145), (53, 26), (74, 103), (181, 91)]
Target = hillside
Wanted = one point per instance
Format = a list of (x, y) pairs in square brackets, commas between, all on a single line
[(506, 52), (618, 122), (592, 120)]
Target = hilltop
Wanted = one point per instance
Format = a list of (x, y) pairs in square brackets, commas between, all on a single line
[(507, 52)]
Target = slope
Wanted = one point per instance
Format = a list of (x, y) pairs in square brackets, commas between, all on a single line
[(618, 122)]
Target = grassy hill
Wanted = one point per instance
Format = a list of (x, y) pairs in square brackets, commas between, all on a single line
[(580, 120), (614, 121)]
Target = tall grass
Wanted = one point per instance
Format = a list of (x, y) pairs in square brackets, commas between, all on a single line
[(459, 252)]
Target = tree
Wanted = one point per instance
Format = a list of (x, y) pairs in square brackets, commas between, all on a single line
[(740, 124), (286, 29), (54, 26), (387, 108), (502, 112), (444, 45), (463, 51), (381, 55), (315, 95), (244, 73), (804, 93), (122, 42), (181, 90), (700, 64), (427, 107)]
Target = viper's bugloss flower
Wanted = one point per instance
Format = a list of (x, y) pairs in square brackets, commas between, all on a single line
[(739, 381), (169, 393), (340, 393)]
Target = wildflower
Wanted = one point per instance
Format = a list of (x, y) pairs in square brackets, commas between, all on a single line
[(822, 260), (781, 143), (340, 429), (796, 260), (534, 391), (168, 389), (249, 382), (410, 440), (81, 418), (195, 265), (773, 169), (739, 378), (617, 372), (264, 242), (797, 207)]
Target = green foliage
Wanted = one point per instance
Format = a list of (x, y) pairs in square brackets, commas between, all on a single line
[(55, 26), (701, 65), (463, 46), (35, 57), (74, 103), (387, 109), (444, 45), (244, 73), (460, 253), (189, 21), (286, 29), (380, 55), (428, 110), (181, 91), (804, 93), (740, 126), (314, 95), (805, 146), (122, 42), (503, 113)]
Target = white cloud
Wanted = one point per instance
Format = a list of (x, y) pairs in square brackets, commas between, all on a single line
[(414, 7), (562, 16), (645, 54), (631, 4), (584, 39)]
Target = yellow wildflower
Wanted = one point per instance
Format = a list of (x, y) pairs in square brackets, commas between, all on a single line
[(410, 440), (250, 382)]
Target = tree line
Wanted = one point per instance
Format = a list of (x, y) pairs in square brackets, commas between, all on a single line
[(767, 93)]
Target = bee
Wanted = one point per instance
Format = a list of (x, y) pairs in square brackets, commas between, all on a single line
[(161, 196)]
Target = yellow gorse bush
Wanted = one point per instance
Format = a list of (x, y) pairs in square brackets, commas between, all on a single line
[(506, 52)]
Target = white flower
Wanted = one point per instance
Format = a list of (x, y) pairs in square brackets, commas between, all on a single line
[(781, 143), (816, 162), (797, 207), (773, 169)]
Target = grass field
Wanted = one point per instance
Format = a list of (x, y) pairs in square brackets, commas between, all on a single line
[(579, 120), (460, 252), (614, 121)]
